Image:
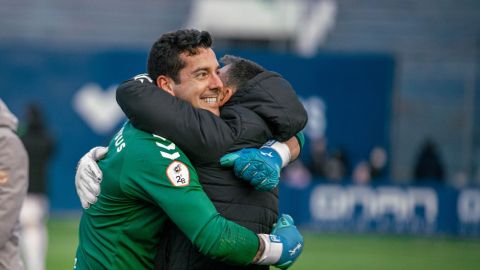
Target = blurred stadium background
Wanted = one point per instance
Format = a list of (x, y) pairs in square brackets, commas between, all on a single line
[(379, 79)]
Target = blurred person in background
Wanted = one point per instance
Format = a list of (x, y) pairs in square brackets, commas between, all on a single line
[(429, 165), (377, 163), (337, 165), (372, 170), (361, 174), (318, 157), (297, 175), (324, 165), (39, 144), (13, 188)]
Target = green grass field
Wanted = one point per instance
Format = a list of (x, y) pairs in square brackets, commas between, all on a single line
[(332, 252)]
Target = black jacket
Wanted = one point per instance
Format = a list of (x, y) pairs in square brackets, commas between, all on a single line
[(267, 107)]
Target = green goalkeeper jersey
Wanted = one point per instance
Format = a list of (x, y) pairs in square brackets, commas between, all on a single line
[(147, 180)]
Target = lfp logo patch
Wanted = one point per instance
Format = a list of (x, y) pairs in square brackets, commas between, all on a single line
[(178, 174)]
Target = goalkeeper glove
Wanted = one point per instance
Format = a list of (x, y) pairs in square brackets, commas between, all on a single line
[(260, 167), (283, 245), (88, 176)]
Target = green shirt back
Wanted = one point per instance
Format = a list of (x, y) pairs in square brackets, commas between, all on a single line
[(146, 179)]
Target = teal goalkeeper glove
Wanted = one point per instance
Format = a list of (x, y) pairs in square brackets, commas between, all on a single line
[(283, 246), (260, 167)]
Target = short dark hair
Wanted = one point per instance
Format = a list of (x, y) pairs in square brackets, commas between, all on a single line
[(241, 70), (164, 57)]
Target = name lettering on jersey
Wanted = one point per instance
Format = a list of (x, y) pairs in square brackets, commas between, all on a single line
[(119, 141), (168, 147), (178, 174)]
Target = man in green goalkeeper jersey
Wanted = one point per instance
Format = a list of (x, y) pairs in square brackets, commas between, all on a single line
[(146, 180)]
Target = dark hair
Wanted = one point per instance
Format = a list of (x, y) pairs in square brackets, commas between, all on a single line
[(241, 70), (164, 57)]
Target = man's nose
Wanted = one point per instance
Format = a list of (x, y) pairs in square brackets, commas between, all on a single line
[(215, 82)]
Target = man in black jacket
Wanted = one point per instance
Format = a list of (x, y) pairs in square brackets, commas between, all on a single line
[(264, 107)]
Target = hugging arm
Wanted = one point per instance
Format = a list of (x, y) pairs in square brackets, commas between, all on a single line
[(268, 96), (261, 166), (199, 132), (195, 215)]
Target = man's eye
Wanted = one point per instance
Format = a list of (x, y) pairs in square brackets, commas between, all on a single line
[(202, 75)]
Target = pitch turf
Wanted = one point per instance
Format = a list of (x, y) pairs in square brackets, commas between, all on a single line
[(332, 252)]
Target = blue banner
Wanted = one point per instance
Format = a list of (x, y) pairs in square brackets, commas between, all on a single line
[(432, 209)]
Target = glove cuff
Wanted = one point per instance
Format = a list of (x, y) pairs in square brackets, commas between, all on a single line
[(282, 150), (273, 249)]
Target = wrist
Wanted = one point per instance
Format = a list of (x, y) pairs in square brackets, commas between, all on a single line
[(301, 139), (272, 250), (282, 150), (260, 251)]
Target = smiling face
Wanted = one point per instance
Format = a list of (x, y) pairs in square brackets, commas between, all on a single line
[(198, 82)]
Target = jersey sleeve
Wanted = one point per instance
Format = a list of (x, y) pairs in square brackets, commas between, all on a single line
[(199, 132), (172, 184)]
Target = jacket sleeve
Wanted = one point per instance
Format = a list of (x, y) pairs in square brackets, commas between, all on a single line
[(274, 99), (199, 132), (13, 183)]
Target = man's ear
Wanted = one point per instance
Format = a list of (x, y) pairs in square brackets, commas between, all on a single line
[(166, 83), (227, 93)]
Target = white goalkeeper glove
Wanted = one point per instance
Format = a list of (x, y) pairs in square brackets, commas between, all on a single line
[(88, 176)]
